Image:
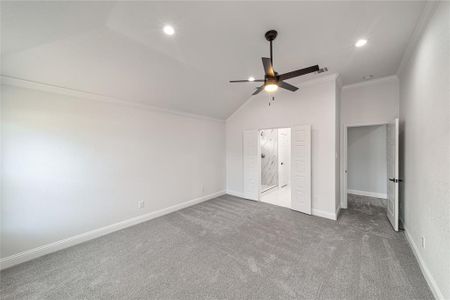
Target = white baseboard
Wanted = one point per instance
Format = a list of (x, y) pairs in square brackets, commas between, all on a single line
[(425, 271), (315, 212), (324, 214), (27, 255), (236, 194), (369, 194), (338, 210)]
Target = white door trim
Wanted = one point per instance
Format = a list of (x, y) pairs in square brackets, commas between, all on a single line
[(344, 158)]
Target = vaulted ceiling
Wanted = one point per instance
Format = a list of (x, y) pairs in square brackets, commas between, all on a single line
[(118, 49)]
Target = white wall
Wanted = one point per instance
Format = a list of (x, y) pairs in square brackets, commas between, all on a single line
[(367, 164), (73, 165), (370, 102), (425, 148), (314, 103)]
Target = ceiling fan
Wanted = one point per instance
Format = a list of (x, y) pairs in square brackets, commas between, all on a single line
[(272, 80)]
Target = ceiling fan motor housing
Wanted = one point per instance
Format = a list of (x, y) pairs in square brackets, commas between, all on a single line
[(271, 35), (270, 79)]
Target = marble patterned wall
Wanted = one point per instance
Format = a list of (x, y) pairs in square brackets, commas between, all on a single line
[(269, 157)]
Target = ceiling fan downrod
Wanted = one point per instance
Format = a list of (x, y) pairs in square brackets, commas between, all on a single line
[(270, 36)]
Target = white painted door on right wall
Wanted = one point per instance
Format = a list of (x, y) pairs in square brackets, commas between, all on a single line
[(392, 170), (301, 168)]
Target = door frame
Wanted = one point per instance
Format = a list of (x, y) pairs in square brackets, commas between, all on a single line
[(259, 157), (344, 157)]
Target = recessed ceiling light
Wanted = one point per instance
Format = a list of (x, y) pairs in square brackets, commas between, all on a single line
[(251, 78), (360, 43), (169, 30)]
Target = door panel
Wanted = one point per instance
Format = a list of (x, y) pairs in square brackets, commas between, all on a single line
[(392, 170), (283, 156), (301, 168), (252, 164)]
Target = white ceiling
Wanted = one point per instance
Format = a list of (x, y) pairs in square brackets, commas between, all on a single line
[(118, 49)]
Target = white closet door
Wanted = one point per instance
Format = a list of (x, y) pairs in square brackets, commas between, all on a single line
[(252, 164), (392, 170), (301, 168), (283, 156)]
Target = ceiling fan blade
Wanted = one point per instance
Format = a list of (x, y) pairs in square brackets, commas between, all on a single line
[(268, 68), (287, 86), (258, 90), (300, 72), (256, 80)]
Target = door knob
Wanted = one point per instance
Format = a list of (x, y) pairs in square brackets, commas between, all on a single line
[(395, 180)]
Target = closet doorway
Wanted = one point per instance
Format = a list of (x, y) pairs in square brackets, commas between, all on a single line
[(275, 149), (288, 182)]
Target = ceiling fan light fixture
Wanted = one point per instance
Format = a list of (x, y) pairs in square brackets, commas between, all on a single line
[(169, 30), (271, 87), (360, 43)]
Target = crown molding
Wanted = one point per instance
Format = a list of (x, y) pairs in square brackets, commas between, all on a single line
[(34, 85), (369, 82), (328, 77)]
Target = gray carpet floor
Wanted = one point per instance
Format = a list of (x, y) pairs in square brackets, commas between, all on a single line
[(229, 248)]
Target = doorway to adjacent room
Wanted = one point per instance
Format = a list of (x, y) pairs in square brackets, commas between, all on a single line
[(371, 173)]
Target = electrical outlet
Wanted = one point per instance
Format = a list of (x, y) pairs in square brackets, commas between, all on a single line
[(422, 241), (141, 204)]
